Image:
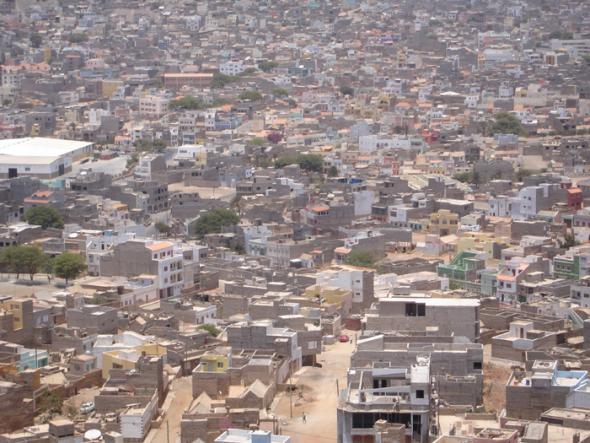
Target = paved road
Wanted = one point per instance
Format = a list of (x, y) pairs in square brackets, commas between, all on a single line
[(319, 397), (181, 395)]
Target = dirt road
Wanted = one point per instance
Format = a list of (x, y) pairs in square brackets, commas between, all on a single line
[(318, 387), (181, 393)]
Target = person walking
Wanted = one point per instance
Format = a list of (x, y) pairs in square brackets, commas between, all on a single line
[(304, 417)]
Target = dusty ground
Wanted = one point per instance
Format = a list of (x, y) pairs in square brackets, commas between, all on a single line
[(319, 397), (495, 375), (178, 400), (76, 401)]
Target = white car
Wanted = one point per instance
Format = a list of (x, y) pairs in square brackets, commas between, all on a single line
[(87, 407)]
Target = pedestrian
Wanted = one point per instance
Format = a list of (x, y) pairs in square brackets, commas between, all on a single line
[(304, 417)]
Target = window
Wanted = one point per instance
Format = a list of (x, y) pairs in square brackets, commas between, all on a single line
[(220, 364), (410, 309), (420, 393), (421, 310), (476, 365)]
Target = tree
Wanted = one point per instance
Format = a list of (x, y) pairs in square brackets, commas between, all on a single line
[(346, 90), (280, 92), (561, 35), (214, 221), (523, 173), (505, 123), (221, 80), (187, 102), (211, 329), (253, 96), (36, 40), (333, 171), (163, 228), (9, 260), (257, 141), (569, 240), (45, 216), (24, 259), (307, 162), (32, 259), (68, 266), (77, 37), (267, 66), (146, 145), (360, 258), (274, 137)]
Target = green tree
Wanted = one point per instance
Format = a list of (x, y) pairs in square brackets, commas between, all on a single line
[(523, 173), (9, 260), (68, 266), (561, 35), (211, 329), (146, 145), (346, 90), (163, 228), (32, 259), (36, 40), (267, 66), (257, 141), (360, 258), (307, 162), (569, 240), (214, 221), (505, 123), (253, 96), (333, 171), (187, 102), (464, 177), (77, 37), (280, 92), (221, 80), (24, 259), (45, 216)]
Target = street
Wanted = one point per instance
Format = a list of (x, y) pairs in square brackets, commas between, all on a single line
[(318, 388)]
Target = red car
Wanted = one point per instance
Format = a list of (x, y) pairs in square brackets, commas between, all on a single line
[(343, 338)]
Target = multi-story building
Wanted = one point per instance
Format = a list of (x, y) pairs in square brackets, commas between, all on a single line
[(396, 394), (153, 106), (419, 312), (137, 257)]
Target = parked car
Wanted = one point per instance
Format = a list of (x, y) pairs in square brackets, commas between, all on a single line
[(344, 338), (87, 407)]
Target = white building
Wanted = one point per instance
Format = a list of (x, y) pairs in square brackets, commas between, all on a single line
[(232, 67), (246, 436), (44, 158), (153, 106)]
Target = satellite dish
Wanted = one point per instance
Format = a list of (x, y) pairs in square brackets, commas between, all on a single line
[(92, 434)]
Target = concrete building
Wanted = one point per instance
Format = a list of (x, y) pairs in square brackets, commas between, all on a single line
[(418, 312), (399, 395), (530, 393), (138, 257)]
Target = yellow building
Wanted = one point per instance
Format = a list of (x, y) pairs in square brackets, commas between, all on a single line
[(443, 222), (17, 309), (127, 358), (110, 86), (480, 242), (214, 363)]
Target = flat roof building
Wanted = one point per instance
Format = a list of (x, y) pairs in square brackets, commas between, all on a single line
[(39, 157)]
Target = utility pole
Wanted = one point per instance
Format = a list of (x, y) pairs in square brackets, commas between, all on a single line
[(290, 394), (167, 431)]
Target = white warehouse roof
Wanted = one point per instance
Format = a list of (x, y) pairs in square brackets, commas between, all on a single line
[(39, 147)]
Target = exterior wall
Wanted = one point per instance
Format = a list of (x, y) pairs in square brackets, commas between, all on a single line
[(453, 319)]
